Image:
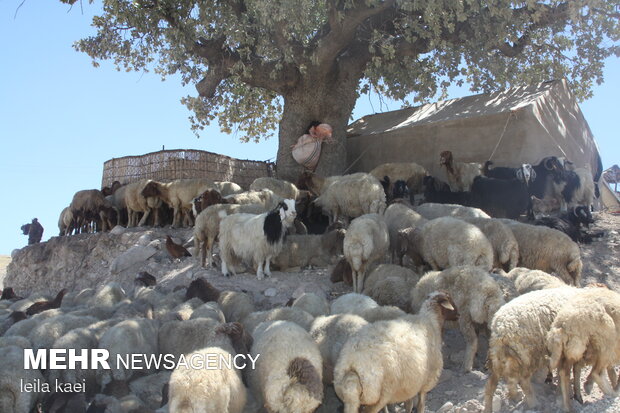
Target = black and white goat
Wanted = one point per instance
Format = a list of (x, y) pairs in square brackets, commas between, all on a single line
[(525, 172), (255, 239), (571, 223)]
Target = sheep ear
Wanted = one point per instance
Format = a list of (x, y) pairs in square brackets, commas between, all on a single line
[(519, 174), (532, 173), (282, 213), (446, 304)]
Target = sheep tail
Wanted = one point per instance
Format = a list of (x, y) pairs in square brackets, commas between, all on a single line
[(350, 391), (304, 373), (574, 269), (555, 345)]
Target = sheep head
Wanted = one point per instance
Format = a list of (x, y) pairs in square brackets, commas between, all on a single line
[(526, 173), (442, 303), (446, 158), (287, 211), (151, 189), (241, 340), (202, 289), (310, 181), (332, 241), (406, 243)]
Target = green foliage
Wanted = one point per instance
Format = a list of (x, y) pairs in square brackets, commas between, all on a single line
[(247, 55)]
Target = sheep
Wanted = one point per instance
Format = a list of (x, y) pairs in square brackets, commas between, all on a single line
[(206, 389), (127, 337), (342, 272), (315, 183), (503, 241), (25, 327), (9, 320), (45, 305), (500, 198), (206, 199), (283, 189), (526, 280), (65, 222), (570, 223), (304, 250), (525, 172), (409, 172), (292, 314), (330, 334), (178, 194), (546, 249), (390, 284), (202, 289), (227, 188), (383, 312), (576, 187), (90, 206), (393, 361), (255, 238), (398, 216), (432, 210), (543, 207), (517, 345), (366, 241), (108, 296), (12, 397), (460, 175), (476, 294), (351, 196), (447, 242), (48, 331), (583, 333), (312, 304), (288, 374), (352, 303), (235, 305), (547, 171), (183, 337), (207, 226), (264, 197), (208, 310), (137, 203)]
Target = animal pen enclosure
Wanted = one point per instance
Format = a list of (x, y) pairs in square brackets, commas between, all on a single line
[(168, 165)]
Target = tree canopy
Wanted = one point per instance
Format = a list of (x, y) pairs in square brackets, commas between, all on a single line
[(260, 63)]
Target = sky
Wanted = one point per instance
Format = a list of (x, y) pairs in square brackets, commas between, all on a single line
[(61, 118)]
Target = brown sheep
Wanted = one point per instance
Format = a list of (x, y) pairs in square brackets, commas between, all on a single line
[(90, 207), (206, 199)]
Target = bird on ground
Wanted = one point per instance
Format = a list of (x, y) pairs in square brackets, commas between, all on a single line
[(176, 250)]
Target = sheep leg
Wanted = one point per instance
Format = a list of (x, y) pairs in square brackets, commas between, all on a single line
[(564, 373), (577, 382), (354, 281), (471, 340), (144, 217), (259, 272), (408, 406), (360, 281), (176, 217), (613, 377), (489, 391), (528, 392), (597, 374), (224, 268), (421, 402)]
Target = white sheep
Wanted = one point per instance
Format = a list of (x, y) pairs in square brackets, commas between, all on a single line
[(255, 238), (108, 296), (303, 250), (503, 241), (207, 226), (265, 197), (397, 217), (517, 345), (49, 330), (393, 361), (292, 314), (390, 284), (312, 304), (128, 337), (209, 310), (431, 210), (410, 172), (448, 242), (382, 312), (283, 189), (226, 188), (137, 203), (288, 374), (583, 333), (12, 397), (351, 196), (330, 334), (352, 303), (546, 249), (476, 294), (178, 194), (366, 241), (65, 222), (235, 305), (183, 337), (526, 280)]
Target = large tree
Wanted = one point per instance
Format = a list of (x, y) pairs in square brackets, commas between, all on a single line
[(258, 64)]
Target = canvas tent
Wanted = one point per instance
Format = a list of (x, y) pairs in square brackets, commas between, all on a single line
[(511, 127), (610, 197)]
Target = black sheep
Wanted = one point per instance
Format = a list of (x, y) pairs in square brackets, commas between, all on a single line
[(500, 198), (439, 192)]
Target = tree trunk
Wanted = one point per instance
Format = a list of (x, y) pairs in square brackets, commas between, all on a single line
[(324, 101)]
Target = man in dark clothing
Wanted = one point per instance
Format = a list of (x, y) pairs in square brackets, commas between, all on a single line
[(34, 230)]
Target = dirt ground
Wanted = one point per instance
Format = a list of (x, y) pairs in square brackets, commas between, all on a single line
[(457, 392)]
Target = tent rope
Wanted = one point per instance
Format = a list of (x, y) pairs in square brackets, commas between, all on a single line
[(502, 135), (356, 159)]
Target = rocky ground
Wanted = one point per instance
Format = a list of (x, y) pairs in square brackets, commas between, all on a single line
[(4, 262), (83, 261)]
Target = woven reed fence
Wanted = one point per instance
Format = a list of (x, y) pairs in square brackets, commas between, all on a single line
[(168, 165)]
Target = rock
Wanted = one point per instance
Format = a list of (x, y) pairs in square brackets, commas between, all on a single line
[(448, 406), (445, 375), (155, 244), (117, 230), (145, 239), (270, 292), (132, 256)]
